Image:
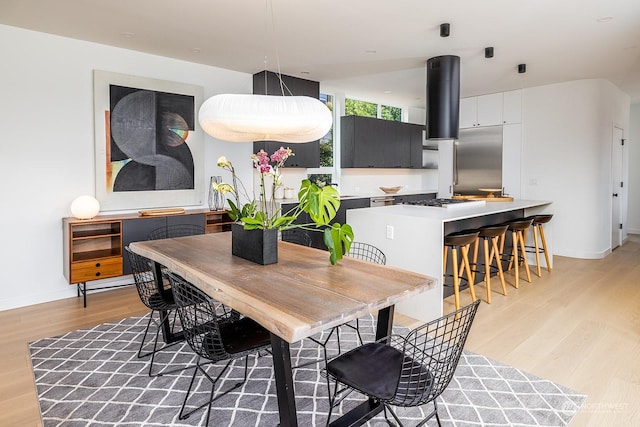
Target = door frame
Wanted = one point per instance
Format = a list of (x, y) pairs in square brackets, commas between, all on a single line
[(617, 186)]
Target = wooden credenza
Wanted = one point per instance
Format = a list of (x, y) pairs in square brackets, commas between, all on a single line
[(94, 248)]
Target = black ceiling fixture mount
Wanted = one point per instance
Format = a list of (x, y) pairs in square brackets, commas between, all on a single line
[(488, 52), (444, 30), (522, 68)]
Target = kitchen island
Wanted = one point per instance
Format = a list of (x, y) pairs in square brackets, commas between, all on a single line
[(411, 238)]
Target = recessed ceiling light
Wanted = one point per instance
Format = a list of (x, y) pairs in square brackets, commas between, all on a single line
[(304, 72), (196, 49), (370, 51), (387, 92), (605, 19), (127, 34)]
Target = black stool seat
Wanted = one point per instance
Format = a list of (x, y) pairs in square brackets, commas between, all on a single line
[(492, 231), (459, 241), (461, 238), (541, 219), (520, 224), (518, 228)]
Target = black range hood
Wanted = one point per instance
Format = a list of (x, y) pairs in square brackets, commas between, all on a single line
[(443, 97)]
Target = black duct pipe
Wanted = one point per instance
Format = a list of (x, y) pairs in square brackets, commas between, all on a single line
[(443, 97)]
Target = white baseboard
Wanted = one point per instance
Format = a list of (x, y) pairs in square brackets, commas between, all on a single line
[(61, 293), (581, 255)]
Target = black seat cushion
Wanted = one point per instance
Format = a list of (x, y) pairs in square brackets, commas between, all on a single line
[(242, 335), (373, 369), (158, 302)]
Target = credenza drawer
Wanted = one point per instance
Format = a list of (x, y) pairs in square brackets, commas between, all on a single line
[(94, 270)]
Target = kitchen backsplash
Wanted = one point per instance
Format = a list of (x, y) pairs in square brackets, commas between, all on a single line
[(365, 182)]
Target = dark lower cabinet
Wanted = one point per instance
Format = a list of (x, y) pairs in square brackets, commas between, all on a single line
[(137, 230)]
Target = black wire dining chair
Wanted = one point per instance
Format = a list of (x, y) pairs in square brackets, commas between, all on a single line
[(404, 371), (160, 302), (214, 337), (365, 252), (300, 237)]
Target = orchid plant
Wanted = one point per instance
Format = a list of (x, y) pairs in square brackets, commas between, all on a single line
[(320, 202)]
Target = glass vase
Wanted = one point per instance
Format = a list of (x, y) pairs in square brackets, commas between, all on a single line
[(216, 199)]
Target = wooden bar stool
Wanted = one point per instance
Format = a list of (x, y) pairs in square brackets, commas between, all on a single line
[(490, 233), (538, 220), (518, 229), (459, 241)]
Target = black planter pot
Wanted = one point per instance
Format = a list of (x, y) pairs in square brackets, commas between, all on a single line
[(259, 246)]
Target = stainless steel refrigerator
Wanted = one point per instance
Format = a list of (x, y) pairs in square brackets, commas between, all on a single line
[(477, 160)]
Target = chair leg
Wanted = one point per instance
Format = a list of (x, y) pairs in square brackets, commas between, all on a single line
[(544, 248), (535, 241), (444, 263), (456, 277), (524, 256), (494, 250), (476, 244), (487, 268), (465, 260), (514, 258)]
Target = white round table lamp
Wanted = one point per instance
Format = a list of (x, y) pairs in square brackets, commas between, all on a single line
[(85, 207)]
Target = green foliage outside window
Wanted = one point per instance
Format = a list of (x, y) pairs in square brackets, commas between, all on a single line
[(353, 107), (391, 113), (320, 179), (326, 142)]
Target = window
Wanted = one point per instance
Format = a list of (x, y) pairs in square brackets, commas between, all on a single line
[(354, 107), (326, 142), (321, 179)]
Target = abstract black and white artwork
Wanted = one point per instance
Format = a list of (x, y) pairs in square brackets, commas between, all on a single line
[(148, 147)]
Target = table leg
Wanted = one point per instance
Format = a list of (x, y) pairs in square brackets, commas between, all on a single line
[(284, 381), (167, 334), (384, 327)]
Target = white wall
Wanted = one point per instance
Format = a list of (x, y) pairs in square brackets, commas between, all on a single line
[(566, 158), (633, 151), (47, 150)]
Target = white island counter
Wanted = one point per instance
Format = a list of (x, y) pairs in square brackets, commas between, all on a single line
[(411, 237)]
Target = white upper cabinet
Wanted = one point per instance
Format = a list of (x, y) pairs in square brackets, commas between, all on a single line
[(491, 110), (512, 111), (484, 110), (468, 112)]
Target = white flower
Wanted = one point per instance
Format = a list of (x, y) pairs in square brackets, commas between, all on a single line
[(223, 162)]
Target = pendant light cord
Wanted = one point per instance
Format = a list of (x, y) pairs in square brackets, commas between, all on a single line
[(269, 13)]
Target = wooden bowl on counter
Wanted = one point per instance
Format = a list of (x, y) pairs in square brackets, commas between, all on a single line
[(391, 190)]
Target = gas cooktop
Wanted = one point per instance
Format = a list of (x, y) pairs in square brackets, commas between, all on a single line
[(446, 203)]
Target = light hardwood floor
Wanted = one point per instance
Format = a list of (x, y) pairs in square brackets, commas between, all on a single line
[(578, 326)]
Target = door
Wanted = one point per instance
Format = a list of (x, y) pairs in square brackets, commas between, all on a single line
[(617, 185)]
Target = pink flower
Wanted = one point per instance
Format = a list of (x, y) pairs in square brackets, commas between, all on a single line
[(265, 168)]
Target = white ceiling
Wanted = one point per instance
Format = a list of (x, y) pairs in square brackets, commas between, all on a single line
[(365, 48)]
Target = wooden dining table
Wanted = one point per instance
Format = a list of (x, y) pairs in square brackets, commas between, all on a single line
[(299, 296)]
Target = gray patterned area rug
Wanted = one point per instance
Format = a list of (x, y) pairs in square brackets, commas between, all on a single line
[(93, 378)]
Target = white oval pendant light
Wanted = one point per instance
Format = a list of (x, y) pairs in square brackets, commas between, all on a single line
[(242, 118)]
